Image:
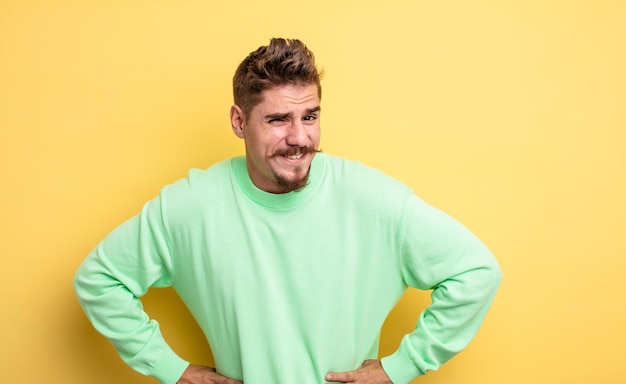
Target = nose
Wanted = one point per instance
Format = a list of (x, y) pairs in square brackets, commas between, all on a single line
[(297, 134)]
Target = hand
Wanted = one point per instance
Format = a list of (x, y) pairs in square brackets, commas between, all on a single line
[(198, 374), (370, 372)]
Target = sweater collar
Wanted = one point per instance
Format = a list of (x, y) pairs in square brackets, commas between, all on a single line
[(278, 201)]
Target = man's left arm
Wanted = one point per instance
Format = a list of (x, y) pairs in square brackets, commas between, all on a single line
[(440, 254), (437, 253)]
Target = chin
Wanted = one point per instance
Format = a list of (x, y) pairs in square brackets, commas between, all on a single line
[(294, 184)]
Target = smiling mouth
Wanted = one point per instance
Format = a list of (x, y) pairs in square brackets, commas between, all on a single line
[(295, 153), (294, 157)]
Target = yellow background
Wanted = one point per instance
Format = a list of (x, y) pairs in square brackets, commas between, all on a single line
[(510, 115)]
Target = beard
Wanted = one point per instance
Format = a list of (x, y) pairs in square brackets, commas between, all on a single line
[(294, 184), (300, 177)]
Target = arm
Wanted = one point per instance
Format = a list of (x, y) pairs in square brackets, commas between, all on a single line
[(110, 281), (438, 253)]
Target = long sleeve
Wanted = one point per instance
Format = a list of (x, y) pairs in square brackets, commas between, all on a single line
[(438, 253), (109, 283)]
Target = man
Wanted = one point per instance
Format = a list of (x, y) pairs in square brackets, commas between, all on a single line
[(289, 259)]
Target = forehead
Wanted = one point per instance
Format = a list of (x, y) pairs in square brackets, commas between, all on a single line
[(288, 97)]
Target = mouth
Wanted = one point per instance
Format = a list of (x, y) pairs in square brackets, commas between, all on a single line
[(295, 154), (294, 157)]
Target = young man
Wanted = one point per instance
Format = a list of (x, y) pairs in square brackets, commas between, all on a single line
[(290, 260)]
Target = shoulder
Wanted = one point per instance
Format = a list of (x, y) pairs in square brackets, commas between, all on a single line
[(200, 187), (364, 185), (360, 177), (201, 180)]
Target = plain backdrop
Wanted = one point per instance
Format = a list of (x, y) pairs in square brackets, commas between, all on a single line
[(509, 115)]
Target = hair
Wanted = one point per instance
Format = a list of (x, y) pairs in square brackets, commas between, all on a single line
[(282, 62)]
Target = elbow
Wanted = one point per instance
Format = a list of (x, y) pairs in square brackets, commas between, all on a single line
[(496, 273), (485, 277), (492, 273), (79, 282)]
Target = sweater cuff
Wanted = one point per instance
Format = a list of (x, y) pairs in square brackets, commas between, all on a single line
[(399, 368), (169, 369), (158, 360)]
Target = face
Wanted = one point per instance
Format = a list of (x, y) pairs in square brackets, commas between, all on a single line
[(281, 135)]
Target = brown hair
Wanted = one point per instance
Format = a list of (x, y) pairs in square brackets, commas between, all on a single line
[(282, 62)]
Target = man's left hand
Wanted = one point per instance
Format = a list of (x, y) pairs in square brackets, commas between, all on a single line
[(370, 372)]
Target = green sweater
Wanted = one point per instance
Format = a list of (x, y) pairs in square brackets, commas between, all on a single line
[(288, 287)]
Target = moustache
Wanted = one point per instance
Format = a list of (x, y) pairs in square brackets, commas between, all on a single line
[(294, 151)]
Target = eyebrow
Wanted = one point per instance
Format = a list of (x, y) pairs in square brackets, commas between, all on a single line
[(314, 109), (285, 115)]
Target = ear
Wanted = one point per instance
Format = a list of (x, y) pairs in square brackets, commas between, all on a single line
[(237, 121)]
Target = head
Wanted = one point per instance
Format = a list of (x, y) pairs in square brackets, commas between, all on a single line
[(282, 62), (277, 108)]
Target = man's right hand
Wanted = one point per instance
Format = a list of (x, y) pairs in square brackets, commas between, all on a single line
[(198, 374)]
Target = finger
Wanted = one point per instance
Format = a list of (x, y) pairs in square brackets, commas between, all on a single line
[(341, 377), (227, 380)]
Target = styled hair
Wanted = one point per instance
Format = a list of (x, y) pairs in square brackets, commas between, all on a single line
[(282, 62)]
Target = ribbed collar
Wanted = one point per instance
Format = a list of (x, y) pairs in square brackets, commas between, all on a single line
[(278, 201)]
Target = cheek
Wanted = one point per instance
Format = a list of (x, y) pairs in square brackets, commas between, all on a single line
[(269, 143), (256, 146), (314, 135)]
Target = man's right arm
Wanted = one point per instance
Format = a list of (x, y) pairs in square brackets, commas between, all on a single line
[(110, 281)]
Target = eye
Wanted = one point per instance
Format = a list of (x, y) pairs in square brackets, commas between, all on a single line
[(310, 117), (276, 120)]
